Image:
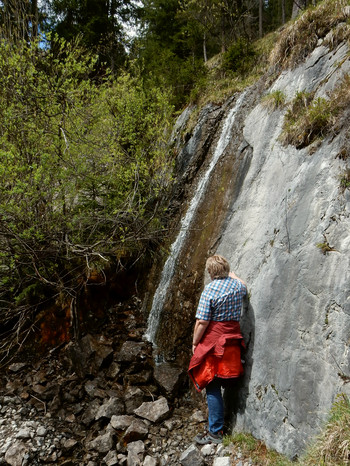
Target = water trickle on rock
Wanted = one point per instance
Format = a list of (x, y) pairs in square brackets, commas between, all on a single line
[(169, 267)]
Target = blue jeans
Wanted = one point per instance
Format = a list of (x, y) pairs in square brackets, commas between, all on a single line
[(215, 406)]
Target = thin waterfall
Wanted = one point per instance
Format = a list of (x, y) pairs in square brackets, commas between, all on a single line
[(169, 267)]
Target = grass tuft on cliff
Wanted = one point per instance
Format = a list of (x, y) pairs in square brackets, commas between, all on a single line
[(332, 447), (255, 451), (301, 36), (309, 119)]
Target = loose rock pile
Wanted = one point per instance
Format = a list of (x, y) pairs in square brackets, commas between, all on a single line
[(101, 401)]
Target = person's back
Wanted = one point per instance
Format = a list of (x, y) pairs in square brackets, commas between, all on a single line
[(217, 341)]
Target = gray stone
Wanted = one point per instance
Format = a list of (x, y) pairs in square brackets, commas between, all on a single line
[(154, 411), (191, 457), (17, 366), (121, 422), (69, 444), (16, 453), (168, 377), (282, 204), (102, 443), (198, 416), (135, 453), (92, 389), (111, 407), (133, 398), (223, 461), (150, 461), (41, 431), (89, 354), (24, 433), (111, 459), (130, 351), (89, 414), (137, 430), (113, 370), (208, 450)]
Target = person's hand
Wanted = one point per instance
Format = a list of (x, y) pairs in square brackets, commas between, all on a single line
[(194, 348)]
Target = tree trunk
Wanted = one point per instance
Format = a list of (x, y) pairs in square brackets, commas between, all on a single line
[(283, 11), (34, 18), (260, 18), (298, 6), (205, 47), (223, 44)]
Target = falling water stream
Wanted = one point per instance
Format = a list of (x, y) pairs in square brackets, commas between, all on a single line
[(169, 267)]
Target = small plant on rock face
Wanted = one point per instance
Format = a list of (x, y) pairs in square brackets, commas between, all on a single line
[(324, 246), (345, 180), (307, 120), (274, 100)]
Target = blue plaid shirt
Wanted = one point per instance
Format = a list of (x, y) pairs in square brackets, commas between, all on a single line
[(221, 300)]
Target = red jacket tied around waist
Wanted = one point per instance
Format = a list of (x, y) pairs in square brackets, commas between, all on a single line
[(218, 354)]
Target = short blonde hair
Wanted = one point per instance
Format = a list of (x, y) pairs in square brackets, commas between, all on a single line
[(217, 267)]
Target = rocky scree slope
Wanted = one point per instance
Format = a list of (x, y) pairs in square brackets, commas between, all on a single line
[(103, 402)]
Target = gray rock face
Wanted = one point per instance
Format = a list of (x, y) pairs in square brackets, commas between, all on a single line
[(284, 204), (299, 307)]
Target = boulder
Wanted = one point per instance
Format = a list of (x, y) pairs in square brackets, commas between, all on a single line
[(168, 376), (136, 452), (121, 422), (111, 407), (131, 351), (102, 443), (133, 398), (191, 457), (15, 454), (89, 354), (154, 411), (137, 430)]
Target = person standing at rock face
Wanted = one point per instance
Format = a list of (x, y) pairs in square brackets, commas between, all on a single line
[(217, 341)]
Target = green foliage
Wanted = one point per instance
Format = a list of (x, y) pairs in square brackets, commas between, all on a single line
[(307, 119), (274, 100), (98, 23), (255, 450), (345, 179), (239, 56), (84, 171)]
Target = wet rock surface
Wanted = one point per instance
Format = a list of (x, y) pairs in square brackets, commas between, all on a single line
[(98, 402)]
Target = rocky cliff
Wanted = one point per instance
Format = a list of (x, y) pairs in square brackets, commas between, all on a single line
[(282, 218)]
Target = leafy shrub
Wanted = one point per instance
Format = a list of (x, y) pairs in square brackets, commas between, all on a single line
[(84, 172), (238, 57)]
